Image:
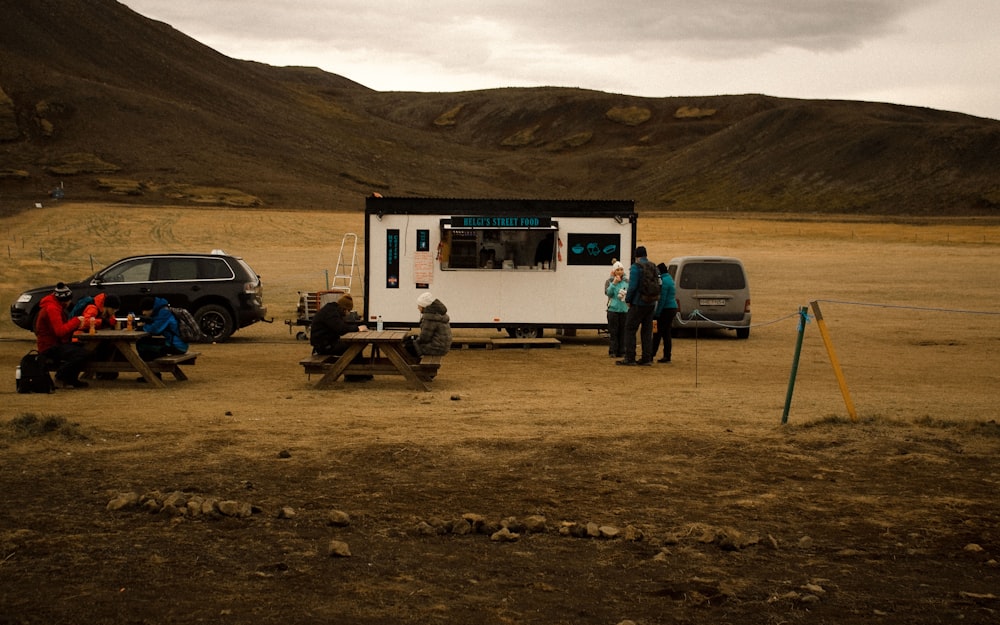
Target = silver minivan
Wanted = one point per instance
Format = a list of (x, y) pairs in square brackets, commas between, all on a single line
[(714, 286)]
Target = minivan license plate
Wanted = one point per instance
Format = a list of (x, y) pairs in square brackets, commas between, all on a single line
[(713, 302)]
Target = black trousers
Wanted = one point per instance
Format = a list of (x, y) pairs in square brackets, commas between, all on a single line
[(68, 358), (663, 323), (639, 319), (616, 332)]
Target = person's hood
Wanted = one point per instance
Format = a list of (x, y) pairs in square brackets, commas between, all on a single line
[(158, 303), (436, 307), (50, 300)]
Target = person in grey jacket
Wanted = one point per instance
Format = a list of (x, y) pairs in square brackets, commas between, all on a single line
[(435, 328)]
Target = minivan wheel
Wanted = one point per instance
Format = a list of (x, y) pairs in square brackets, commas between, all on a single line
[(742, 333), (215, 321), (524, 332)]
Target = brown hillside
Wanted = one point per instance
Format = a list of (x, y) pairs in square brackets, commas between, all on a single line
[(111, 105)]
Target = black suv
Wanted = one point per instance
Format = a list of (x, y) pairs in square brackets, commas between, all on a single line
[(222, 292)]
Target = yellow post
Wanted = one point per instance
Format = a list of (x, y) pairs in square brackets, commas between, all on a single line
[(833, 361)]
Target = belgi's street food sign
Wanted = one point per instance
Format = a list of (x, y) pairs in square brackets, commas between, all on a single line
[(500, 221)]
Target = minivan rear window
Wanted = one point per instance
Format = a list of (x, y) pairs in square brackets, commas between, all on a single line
[(721, 276)]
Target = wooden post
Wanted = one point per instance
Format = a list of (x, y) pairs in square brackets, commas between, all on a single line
[(833, 361)]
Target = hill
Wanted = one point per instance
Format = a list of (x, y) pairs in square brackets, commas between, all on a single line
[(109, 105)]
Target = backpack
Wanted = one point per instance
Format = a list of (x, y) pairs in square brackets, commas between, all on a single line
[(187, 327), (80, 305), (649, 283), (32, 375)]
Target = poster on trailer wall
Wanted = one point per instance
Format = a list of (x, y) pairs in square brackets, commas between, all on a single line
[(423, 262), (392, 259)]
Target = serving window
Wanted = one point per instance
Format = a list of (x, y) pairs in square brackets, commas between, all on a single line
[(495, 247)]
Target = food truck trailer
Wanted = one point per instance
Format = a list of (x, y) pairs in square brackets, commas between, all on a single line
[(515, 265)]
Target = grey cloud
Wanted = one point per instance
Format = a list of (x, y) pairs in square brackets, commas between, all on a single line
[(738, 26), (712, 28)]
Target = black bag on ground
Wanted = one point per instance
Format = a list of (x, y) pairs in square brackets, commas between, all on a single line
[(32, 375)]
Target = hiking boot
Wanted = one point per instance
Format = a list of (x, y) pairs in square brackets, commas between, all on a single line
[(625, 363)]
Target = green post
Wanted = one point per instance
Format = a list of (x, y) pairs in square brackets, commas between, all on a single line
[(803, 317)]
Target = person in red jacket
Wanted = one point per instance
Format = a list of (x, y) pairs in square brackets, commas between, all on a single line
[(54, 330), (103, 311)]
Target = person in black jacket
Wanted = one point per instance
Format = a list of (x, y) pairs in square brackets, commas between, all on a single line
[(332, 322)]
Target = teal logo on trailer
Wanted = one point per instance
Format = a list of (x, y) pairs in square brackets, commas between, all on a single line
[(594, 249)]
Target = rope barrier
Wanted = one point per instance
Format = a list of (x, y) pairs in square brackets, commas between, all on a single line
[(923, 308), (697, 314)]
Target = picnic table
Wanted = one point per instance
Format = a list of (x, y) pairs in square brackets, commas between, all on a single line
[(124, 344), (388, 356)]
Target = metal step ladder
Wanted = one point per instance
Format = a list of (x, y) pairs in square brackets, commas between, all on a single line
[(343, 275)]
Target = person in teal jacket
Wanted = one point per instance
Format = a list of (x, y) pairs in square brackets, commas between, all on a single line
[(666, 310), (615, 288), (158, 321)]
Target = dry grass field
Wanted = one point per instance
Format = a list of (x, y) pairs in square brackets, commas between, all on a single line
[(672, 494)]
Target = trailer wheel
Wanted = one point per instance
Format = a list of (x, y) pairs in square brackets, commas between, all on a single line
[(524, 332)]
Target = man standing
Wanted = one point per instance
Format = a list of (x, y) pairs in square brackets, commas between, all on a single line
[(54, 330), (642, 295)]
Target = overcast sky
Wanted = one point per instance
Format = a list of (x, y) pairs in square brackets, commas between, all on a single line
[(941, 54)]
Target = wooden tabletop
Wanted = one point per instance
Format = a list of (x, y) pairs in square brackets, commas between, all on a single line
[(131, 335), (375, 336)]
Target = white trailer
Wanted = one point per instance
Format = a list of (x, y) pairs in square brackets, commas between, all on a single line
[(514, 265)]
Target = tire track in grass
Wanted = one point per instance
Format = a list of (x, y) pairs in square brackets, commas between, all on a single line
[(162, 230)]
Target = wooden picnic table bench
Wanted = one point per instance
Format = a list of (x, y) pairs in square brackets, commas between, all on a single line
[(164, 364), (394, 361), (124, 357)]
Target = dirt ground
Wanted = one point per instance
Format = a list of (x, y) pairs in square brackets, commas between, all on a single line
[(530, 486)]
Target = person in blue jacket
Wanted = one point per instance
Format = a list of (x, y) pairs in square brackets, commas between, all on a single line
[(666, 310), (160, 323), (615, 288), (640, 313)]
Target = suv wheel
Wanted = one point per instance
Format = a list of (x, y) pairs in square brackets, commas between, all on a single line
[(215, 321)]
